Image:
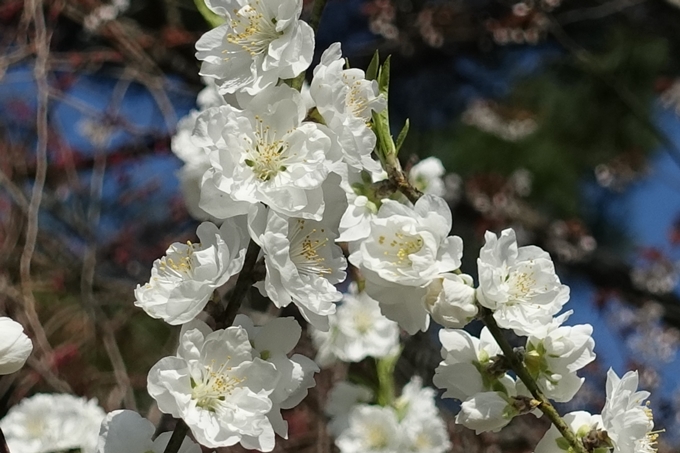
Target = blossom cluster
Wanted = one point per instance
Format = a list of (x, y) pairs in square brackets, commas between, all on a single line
[(411, 423), (280, 176)]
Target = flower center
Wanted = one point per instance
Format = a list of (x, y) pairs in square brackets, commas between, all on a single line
[(214, 387), (36, 427), (178, 263), (376, 438), (305, 245), (253, 29), (362, 322), (521, 284), (422, 442), (267, 157), (400, 247)]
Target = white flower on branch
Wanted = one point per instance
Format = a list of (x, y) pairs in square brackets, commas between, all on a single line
[(196, 159), (274, 341), (15, 346), (451, 300), (427, 176), (218, 387), (302, 260), (355, 223), (260, 42), (423, 428), (554, 353), (363, 427), (341, 400), (183, 281), (346, 100), (581, 423), (372, 429), (126, 431), (406, 250), (486, 411), (357, 330), (518, 283), (265, 153), (46, 423), (625, 417), (467, 368)]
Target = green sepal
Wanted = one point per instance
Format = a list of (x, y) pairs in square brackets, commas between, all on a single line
[(211, 18), (402, 135), (562, 443), (384, 76), (372, 70)]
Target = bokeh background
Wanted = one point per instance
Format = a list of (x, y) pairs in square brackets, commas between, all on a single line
[(559, 118)]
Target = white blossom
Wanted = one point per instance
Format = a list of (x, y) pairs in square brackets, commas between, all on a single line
[(260, 42), (580, 422), (126, 431), (196, 159), (183, 281), (15, 346), (451, 300), (416, 401), (427, 176), (361, 427), (372, 429), (554, 353), (407, 249), (357, 330), (424, 430), (355, 223), (463, 372), (217, 386), (273, 342), (341, 400), (518, 283), (625, 417), (346, 100), (265, 153), (303, 262), (46, 423), (426, 436), (486, 411)]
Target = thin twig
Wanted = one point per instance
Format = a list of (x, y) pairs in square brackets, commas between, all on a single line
[(42, 40), (178, 435), (244, 282), (596, 12)]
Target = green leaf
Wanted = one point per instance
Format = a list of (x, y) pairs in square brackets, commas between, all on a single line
[(372, 70), (402, 135), (213, 19), (384, 76)]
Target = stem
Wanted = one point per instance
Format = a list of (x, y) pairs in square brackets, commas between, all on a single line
[(520, 370), (313, 22), (244, 282), (177, 438), (399, 179), (385, 371)]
